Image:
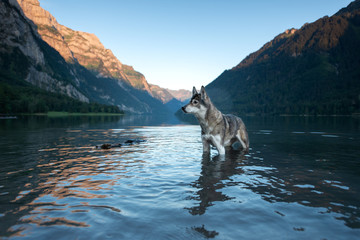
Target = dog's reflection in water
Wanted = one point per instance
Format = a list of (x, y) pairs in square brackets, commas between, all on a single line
[(215, 171)]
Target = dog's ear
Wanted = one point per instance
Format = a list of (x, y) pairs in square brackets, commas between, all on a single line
[(203, 93), (194, 92)]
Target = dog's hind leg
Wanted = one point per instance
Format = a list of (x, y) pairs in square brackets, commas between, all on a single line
[(243, 138), (221, 149)]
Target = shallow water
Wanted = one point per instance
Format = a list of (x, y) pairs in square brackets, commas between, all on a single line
[(300, 180)]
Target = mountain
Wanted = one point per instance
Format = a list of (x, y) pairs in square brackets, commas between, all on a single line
[(162, 94), (87, 50), (36, 50), (312, 70), (76, 46), (181, 95), (23, 55)]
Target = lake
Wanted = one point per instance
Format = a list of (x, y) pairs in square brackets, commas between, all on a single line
[(300, 180)]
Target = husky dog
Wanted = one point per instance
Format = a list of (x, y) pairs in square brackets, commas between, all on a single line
[(217, 129)]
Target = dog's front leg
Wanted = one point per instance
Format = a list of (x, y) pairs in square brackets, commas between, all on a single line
[(206, 145), (216, 140)]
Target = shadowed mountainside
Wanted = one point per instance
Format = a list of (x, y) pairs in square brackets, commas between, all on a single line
[(313, 70)]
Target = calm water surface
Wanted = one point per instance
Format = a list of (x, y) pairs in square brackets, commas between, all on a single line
[(300, 180)]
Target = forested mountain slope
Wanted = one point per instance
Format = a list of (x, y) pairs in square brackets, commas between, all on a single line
[(312, 70)]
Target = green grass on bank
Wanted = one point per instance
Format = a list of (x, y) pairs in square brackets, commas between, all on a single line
[(66, 114)]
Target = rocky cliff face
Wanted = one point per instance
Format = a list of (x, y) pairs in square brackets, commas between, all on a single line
[(58, 59), (18, 36), (46, 24), (84, 48)]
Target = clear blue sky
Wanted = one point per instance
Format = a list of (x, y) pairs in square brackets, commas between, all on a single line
[(181, 43)]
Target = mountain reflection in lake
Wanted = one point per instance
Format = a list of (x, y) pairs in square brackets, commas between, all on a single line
[(299, 180)]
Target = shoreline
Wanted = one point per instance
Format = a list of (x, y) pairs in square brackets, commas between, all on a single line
[(58, 114)]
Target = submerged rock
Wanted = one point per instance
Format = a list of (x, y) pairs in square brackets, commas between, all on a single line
[(134, 141), (108, 146), (117, 145)]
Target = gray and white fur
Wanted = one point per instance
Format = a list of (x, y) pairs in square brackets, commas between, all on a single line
[(217, 129)]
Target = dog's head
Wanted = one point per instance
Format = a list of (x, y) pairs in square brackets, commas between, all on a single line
[(199, 102)]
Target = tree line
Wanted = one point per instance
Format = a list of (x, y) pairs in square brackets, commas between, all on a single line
[(28, 99)]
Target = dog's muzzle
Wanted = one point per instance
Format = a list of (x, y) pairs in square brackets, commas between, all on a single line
[(183, 108)]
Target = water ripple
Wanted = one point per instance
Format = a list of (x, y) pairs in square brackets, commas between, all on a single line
[(165, 187)]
